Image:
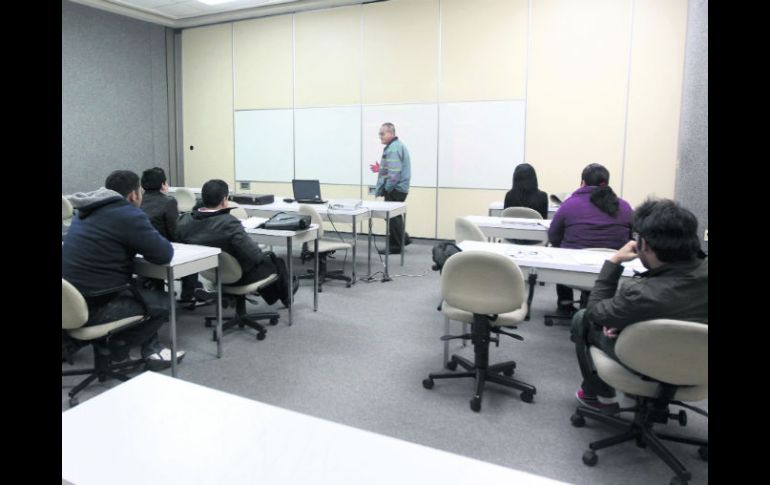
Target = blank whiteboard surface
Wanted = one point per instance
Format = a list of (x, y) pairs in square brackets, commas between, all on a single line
[(264, 145), (480, 143), (416, 127), (328, 144)]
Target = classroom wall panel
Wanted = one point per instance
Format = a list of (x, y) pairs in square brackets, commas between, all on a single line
[(327, 144), (262, 51), (264, 145), (400, 52), (454, 203), (483, 49), (207, 87), (655, 88), (328, 57), (576, 94), (416, 126), (420, 214)]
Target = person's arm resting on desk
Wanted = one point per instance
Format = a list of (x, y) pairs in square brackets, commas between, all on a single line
[(147, 241)]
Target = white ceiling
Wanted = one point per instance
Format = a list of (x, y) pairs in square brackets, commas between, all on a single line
[(192, 13)]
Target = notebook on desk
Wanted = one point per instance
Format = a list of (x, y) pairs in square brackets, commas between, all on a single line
[(307, 191)]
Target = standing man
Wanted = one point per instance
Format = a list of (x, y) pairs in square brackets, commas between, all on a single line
[(393, 181)]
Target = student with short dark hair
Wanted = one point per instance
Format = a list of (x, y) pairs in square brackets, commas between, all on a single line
[(675, 287), (98, 254)]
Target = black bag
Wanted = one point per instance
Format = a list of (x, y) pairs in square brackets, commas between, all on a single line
[(287, 221), (441, 252)]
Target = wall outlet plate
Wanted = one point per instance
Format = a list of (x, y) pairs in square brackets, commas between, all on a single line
[(371, 189), (245, 185)]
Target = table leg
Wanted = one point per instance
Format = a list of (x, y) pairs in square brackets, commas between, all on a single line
[(369, 251), (532, 281), (403, 241), (386, 276), (172, 317), (291, 277), (355, 243), (219, 312), (315, 275)]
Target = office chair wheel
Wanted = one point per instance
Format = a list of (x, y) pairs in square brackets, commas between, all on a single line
[(74, 401), (703, 452), (577, 420), (590, 458), (548, 322), (261, 336), (527, 396), (476, 403), (451, 365), (347, 285), (273, 321), (427, 383), (682, 418)]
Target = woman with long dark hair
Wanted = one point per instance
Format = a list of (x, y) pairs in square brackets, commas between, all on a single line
[(592, 217), (525, 193)]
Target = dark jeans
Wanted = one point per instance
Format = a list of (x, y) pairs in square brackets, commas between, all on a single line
[(126, 305), (397, 223), (584, 334), (189, 283), (565, 296)]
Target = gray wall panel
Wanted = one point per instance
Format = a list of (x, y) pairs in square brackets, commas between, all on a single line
[(114, 101), (692, 175)]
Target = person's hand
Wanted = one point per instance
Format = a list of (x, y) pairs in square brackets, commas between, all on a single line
[(626, 253), (375, 167), (610, 332)]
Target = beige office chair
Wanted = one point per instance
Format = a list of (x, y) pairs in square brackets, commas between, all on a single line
[(490, 288), (185, 199), (664, 362), (465, 230), (66, 216), (237, 210), (230, 271), (524, 213), (74, 314), (325, 247)]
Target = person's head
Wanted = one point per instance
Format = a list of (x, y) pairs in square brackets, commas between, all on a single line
[(597, 176), (214, 193), (524, 178), (126, 183), (154, 179), (387, 133), (666, 232)]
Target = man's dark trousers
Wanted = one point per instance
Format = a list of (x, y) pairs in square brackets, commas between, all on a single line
[(397, 223)]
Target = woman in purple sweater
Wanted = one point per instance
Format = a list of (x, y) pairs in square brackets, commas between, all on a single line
[(592, 217)]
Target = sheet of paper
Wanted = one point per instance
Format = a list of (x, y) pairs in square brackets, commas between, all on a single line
[(253, 222)]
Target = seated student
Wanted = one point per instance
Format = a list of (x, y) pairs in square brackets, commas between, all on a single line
[(211, 224), (592, 217), (675, 286), (98, 253), (163, 212), (525, 193)]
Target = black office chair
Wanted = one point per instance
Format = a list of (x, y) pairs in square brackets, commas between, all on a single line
[(325, 248), (230, 271), (74, 315)]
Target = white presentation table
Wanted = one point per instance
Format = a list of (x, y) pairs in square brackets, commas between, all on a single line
[(513, 227), (155, 430), (496, 209), (188, 259)]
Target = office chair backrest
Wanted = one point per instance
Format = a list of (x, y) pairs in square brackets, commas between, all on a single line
[(66, 208), (671, 351), (523, 212), (229, 270), (185, 199), (465, 230), (74, 311), (315, 217), (482, 282), (237, 211)]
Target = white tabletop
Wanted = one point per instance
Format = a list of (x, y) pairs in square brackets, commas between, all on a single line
[(511, 222), (185, 253), (157, 430)]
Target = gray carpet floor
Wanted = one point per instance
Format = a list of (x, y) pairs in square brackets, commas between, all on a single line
[(360, 360)]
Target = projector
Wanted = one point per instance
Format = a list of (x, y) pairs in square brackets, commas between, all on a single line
[(252, 199), (348, 204)]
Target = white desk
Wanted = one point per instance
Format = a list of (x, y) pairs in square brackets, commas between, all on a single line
[(513, 227), (385, 210), (273, 237), (194, 190), (496, 209), (188, 259), (353, 216), (155, 430)]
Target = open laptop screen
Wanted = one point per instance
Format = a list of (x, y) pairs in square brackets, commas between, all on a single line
[(306, 190)]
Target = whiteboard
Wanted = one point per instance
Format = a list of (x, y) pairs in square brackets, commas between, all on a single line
[(416, 127), (264, 145), (328, 144), (480, 143)]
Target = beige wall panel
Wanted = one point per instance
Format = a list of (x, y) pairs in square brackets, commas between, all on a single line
[(207, 104), (657, 63), (483, 49), (576, 94), (420, 213), (454, 203), (328, 57), (262, 51), (400, 54), (279, 190)]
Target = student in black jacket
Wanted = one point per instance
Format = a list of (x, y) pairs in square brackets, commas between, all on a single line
[(524, 192)]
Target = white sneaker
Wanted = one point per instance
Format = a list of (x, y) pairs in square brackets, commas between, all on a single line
[(162, 358)]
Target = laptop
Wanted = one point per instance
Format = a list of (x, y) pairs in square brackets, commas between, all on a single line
[(307, 191)]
